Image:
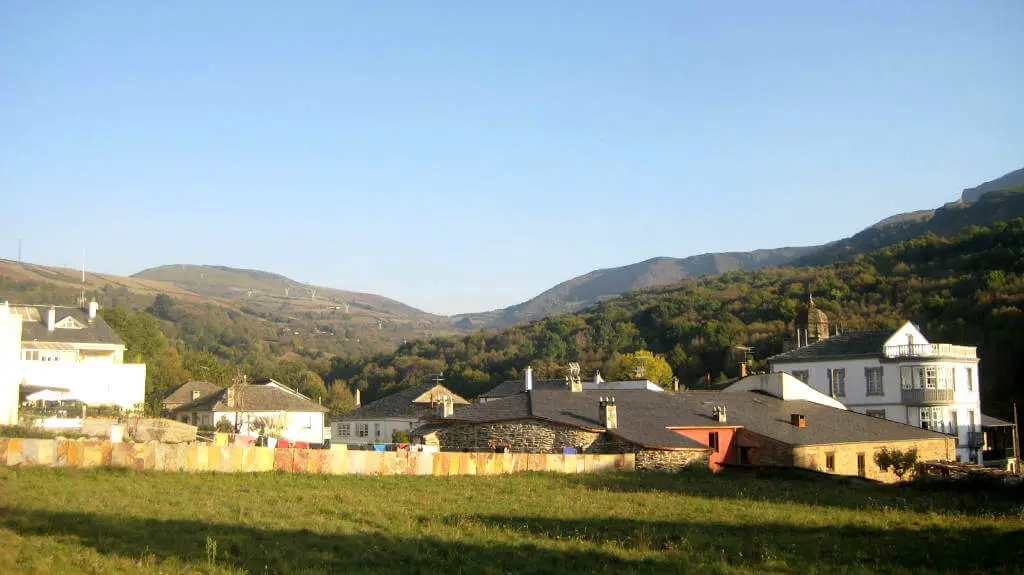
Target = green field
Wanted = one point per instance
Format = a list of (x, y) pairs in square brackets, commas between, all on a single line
[(109, 521)]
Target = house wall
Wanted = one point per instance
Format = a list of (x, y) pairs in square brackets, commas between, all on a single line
[(533, 436), (123, 385), (10, 352), (763, 451), (305, 426), (379, 430), (727, 451), (814, 456)]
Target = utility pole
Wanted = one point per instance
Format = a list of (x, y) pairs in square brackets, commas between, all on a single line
[(1016, 438), (19, 250)]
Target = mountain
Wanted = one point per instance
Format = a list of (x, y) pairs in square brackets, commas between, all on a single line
[(1012, 179), (992, 203), (223, 310), (262, 288), (598, 285), (993, 206)]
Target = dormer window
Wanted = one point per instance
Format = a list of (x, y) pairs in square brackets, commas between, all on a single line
[(68, 323)]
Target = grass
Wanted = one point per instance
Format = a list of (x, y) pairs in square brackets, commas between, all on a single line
[(114, 521), (39, 433)]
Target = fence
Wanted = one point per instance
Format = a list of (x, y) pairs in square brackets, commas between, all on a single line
[(336, 461)]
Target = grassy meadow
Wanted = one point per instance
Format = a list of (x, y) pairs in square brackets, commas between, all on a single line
[(114, 521)]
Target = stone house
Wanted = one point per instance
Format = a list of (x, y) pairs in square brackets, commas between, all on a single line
[(767, 420)]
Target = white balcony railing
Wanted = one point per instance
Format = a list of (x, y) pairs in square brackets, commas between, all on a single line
[(931, 350)]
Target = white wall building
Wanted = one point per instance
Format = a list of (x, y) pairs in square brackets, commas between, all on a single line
[(248, 408), (898, 375), (376, 422), (74, 352), (10, 352)]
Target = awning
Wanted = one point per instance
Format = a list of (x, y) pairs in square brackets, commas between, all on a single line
[(989, 421)]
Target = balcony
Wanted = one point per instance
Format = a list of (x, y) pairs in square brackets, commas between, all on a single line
[(930, 351), (927, 396)]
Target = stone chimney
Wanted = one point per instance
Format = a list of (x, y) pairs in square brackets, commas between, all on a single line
[(51, 318), (719, 413), (798, 420), (609, 417), (446, 406), (230, 396), (743, 369), (359, 400), (93, 308), (528, 379)]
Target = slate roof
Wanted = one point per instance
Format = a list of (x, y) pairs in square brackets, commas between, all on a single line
[(770, 416), (252, 398), (34, 326), (401, 404), (851, 344), (645, 417), (183, 393), (513, 386), (989, 421)]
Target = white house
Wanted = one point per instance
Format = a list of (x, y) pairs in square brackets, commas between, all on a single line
[(897, 375), (10, 350), (73, 353), (514, 386), (376, 422), (275, 408)]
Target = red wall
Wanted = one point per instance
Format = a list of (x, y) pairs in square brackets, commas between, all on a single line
[(727, 452)]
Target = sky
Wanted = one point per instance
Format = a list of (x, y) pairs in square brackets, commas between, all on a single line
[(466, 156)]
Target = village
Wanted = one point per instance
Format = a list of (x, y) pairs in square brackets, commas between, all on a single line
[(834, 403)]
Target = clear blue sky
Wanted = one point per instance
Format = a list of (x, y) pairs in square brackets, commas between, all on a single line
[(462, 156)]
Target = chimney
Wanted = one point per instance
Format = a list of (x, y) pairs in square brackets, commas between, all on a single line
[(719, 413), (798, 420), (230, 396), (446, 405), (609, 417), (359, 400), (528, 379), (597, 377), (93, 308), (743, 369), (51, 318), (675, 384)]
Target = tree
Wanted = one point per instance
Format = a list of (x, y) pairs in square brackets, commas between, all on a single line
[(339, 398), (162, 306), (311, 385), (897, 461), (640, 365)]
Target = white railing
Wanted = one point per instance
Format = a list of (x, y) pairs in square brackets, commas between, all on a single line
[(938, 350)]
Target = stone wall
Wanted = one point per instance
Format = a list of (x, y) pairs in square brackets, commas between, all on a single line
[(533, 436), (763, 451), (657, 460)]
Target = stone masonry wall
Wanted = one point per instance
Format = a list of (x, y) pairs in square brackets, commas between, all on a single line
[(532, 436)]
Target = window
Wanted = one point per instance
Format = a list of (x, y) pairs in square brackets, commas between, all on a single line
[(926, 377), (862, 465), (363, 429), (345, 429), (970, 420), (376, 430), (953, 428), (879, 413), (873, 376), (195, 394), (970, 379), (931, 418), (713, 440), (744, 455), (830, 461), (837, 379), (802, 374), (906, 378)]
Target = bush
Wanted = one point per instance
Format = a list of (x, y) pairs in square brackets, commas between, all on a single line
[(400, 436), (897, 461)]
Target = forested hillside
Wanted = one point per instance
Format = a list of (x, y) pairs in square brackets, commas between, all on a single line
[(967, 289)]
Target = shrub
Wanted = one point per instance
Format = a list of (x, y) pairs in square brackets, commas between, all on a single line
[(897, 461)]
